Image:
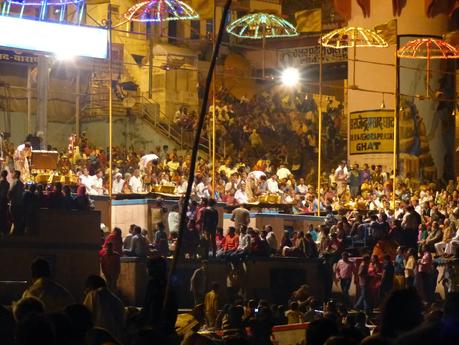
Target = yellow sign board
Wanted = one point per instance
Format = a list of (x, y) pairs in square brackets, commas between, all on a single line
[(371, 131)]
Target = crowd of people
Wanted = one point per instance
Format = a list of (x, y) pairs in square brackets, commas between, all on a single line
[(388, 252), (20, 203), (248, 128), (47, 313)]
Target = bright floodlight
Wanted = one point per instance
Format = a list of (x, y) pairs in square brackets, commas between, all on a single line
[(59, 39), (290, 76)]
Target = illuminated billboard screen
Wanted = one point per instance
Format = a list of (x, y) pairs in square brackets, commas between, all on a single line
[(59, 39)]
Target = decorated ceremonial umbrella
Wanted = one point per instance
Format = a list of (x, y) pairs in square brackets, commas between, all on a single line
[(352, 37), (261, 26), (427, 49), (160, 11)]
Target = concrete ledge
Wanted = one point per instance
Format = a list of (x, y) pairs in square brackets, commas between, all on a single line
[(270, 278)]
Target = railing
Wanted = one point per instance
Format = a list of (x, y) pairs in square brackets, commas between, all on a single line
[(149, 111), (160, 121)]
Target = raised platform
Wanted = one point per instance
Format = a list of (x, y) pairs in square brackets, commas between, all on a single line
[(124, 212)]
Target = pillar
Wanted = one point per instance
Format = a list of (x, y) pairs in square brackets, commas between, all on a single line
[(42, 97), (77, 104)]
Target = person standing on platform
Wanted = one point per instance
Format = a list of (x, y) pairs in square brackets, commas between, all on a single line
[(209, 226), (410, 224), (211, 305), (344, 271), (139, 246), (240, 216), (387, 279), (354, 180), (399, 268), (128, 239), (157, 212), (17, 207), (21, 159), (362, 274), (199, 283), (173, 220), (110, 263), (271, 239), (160, 240), (410, 265), (4, 189)]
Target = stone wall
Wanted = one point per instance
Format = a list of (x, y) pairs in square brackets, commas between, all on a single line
[(68, 240), (270, 279)]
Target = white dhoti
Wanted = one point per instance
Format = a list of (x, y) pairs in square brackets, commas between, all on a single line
[(21, 162)]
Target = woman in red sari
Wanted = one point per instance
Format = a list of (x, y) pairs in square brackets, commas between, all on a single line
[(116, 240), (374, 275)]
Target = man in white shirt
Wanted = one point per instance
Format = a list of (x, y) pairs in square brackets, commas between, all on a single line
[(301, 188), (181, 188), (118, 183), (135, 182), (21, 160), (244, 246), (271, 238), (283, 172), (241, 196), (341, 174), (200, 189), (231, 185), (273, 187), (86, 180), (173, 219), (97, 184)]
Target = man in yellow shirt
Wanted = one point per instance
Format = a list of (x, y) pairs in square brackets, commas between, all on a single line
[(211, 305)]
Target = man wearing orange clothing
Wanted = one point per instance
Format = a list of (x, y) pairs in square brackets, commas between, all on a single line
[(231, 241)]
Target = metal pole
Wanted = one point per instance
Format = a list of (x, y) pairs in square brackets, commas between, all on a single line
[(77, 104), (319, 146), (353, 65), (264, 53), (29, 100), (396, 109), (428, 70), (214, 80), (110, 105), (194, 152), (150, 59)]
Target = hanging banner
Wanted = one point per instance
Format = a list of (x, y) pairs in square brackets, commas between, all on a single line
[(310, 55), (371, 131)]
